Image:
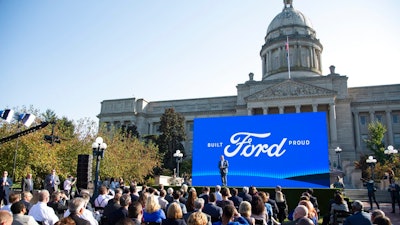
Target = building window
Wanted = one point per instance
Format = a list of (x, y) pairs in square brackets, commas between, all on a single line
[(379, 118), (363, 120), (395, 118), (189, 126), (257, 111), (396, 140)]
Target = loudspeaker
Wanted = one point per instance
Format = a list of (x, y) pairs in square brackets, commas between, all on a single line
[(84, 171)]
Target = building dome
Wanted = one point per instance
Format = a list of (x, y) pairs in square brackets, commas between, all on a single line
[(304, 48)]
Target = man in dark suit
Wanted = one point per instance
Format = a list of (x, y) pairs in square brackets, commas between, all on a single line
[(205, 194), (5, 187), (245, 194), (359, 217), (235, 198), (51, 182), (223, 169), (212, 209), (122, 212), (27, 183)]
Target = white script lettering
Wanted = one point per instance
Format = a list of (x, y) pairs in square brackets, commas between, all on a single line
[(243, 141)]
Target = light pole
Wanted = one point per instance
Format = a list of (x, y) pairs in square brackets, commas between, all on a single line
[(390, 151), (98, 151), (371, 162), (338, 151), (178, 156)]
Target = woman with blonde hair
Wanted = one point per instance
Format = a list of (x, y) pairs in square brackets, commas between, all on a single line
[(245, 212), (282, 206), (174, 215), (152, 211), (197, 218)]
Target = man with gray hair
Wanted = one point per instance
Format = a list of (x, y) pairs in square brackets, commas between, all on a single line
[(359, 217), (244, 194), (41, 212), (76, 208), (300, 212), (198, 207)]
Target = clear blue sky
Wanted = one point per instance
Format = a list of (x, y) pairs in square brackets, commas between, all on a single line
[(69, 55)]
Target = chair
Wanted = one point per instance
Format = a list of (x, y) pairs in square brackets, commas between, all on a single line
[(339, 216)]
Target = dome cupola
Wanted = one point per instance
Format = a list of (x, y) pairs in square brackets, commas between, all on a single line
[(303, 50)]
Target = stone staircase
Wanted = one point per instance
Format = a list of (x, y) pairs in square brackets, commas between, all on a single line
[(382, 196)]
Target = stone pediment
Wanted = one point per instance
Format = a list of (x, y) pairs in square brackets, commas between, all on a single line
[(291, 89)]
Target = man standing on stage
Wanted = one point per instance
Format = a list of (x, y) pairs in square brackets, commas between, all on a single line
[(51, 182), (223, 169)]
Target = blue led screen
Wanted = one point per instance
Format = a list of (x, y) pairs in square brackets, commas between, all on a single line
[(290, 150)]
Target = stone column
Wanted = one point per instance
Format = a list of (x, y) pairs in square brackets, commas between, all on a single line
[(357, 130), (315, 107), (281, 109), (389, 126), (298, 108), (264, 64), (265, 110), (249, 111), (332, 123), (371, 116)]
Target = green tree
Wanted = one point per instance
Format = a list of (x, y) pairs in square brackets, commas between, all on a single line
[(376, 133), (172, 128), (127, 156)]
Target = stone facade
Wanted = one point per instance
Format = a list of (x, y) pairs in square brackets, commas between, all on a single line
[(301, 89)]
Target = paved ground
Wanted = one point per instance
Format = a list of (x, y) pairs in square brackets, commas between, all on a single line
[(387, 208)]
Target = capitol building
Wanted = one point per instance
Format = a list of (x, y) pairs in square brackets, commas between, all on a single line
[(300, 87)]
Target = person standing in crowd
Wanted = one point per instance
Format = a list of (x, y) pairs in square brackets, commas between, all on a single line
[(68, 184), (359, 217), (27, 183), (5, 188), (282, 206), (51, 182), (223, 170), (371, 193), (394, 190), (41, 212), (19, 210)]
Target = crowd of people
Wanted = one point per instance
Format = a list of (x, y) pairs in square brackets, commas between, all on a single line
[(121, 204)]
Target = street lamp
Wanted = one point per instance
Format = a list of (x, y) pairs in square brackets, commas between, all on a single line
[(98, 151), (371, 162), (338, 151), (178, 156), (390, 151)]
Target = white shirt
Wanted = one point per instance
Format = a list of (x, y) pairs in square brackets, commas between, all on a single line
[(102, 200), (43, 213), (67, 185)]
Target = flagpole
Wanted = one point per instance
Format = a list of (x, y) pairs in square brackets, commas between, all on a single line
[(288, 55)]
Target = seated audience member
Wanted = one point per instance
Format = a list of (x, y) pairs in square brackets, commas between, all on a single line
[(300, 212), (65, 221), (235, 198), (122, 212), (58, 203), (5, 217), (152, 211), (359, 217), (376, 213), (12, 198), (244, 194), (231, 217), (258, 210), (382, 220), (101, 201), (198, 207), (212, 209), (197, 218), (192, 195), (174, 215), (18, 210), (135, 212), (76, 208), (226, 194), (41, 212), (339, 204), (312, 212), (205, 193), (245, 212), (305, 221), (26, 199)]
